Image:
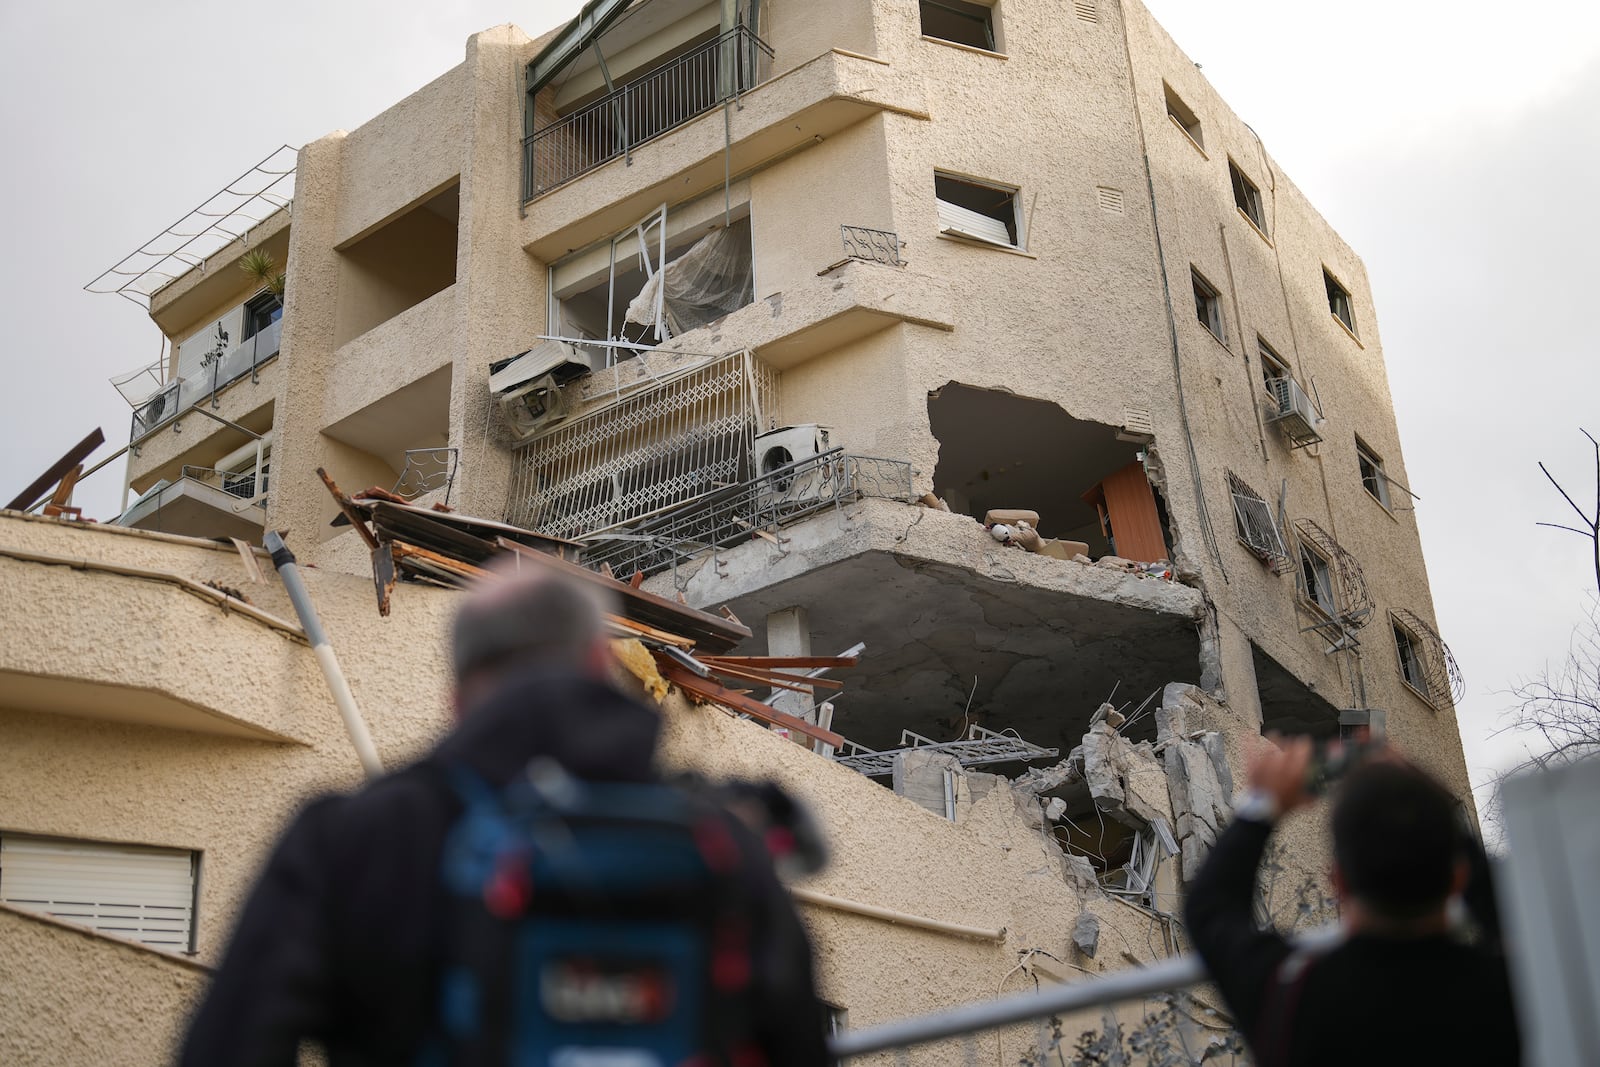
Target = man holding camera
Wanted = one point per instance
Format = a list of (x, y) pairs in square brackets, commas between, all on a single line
[(1399, 987)]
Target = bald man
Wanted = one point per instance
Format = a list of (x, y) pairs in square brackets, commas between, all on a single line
[(342, 941)]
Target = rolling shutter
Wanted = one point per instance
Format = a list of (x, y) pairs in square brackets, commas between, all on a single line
[(142, 894), (964, 222)]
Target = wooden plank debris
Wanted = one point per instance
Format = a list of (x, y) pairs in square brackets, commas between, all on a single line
[(691, 683), (74, 458), (348, 509)]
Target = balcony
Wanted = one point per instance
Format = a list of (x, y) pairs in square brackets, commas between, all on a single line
[(731, 64), (203, 502), (160, 407)]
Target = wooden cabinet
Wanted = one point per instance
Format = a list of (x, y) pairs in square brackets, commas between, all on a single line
[(1128, 516)]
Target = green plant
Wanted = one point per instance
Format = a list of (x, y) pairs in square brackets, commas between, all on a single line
[(259, 266)]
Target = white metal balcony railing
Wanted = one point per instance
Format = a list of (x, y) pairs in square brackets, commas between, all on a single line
[(663, 99), (677, 439), (245, 358)]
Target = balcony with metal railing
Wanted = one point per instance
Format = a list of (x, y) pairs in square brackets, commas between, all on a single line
[(661, 100), (168, 400)]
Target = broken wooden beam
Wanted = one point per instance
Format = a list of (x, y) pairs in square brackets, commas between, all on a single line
[(384, 575), (705, 688), (348, 508), (774, 662), (74, 458)]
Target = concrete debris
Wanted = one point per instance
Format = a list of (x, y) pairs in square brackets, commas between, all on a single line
[(1101, 769), (1080, 874), (1055, 809), (931, 780), (1040, 780), (1199, 801), (1086, 933)]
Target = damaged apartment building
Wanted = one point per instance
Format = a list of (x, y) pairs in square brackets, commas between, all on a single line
[(980, 344)]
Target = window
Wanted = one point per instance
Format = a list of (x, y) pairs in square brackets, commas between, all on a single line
[(977, 211), (1180, 113), (1409, 648), (1339, 301), (1373, 480), (260, 313), (1272, 367), (1316, 583), (1253, 521), (142, 894), (1247, 198), (959, 22), (1207, 306)]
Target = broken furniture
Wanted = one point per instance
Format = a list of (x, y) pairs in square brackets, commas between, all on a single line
[(1129, 517)]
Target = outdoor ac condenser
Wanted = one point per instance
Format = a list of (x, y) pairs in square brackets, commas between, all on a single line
[(1296, 416), (777, 449), (528, 387)]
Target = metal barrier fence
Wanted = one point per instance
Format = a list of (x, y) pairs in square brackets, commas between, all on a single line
[(877, 246), (669, 96), (242, 484), (759, 507)]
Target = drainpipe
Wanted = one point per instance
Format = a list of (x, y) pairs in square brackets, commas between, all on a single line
[(295, 586)]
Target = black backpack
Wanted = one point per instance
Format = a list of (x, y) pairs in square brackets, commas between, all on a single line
[(594, 925)]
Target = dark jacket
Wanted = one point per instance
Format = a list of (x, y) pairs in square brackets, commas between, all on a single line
[(1369, 1000), (340, 939)]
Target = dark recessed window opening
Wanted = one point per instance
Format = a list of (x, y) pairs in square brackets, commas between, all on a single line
[(977, 211), (959, 22), (1246, 197), (1184, 116), (1406, 646), (1373, 479), (1316, 583), (1272, 366), (1207, 304), (261, 312), (1339, 301)]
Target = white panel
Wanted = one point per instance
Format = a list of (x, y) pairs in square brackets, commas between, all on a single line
[(192, 351), (963, 222), (143, 894)]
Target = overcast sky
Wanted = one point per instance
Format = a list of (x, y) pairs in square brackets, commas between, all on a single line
[(1454, 145)]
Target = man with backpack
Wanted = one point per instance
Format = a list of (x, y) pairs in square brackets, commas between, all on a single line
[(1400, 987), (530, 892)]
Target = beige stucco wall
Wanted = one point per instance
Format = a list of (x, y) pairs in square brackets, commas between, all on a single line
[(77, 776)]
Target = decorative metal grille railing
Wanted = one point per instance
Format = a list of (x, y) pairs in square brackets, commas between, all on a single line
[(759, 507), (878, 246), (242, 484), (427, 470), (1434, 664), (1352, 603), (662, 100), (689, 435)]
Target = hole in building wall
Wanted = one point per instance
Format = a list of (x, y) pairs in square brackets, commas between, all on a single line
[(1288, 705), (999, 450), (399, 265)]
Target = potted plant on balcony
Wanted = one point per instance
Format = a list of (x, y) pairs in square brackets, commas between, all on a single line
[(260, 267)]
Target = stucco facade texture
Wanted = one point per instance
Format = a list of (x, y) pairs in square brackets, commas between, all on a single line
[(145, 712)]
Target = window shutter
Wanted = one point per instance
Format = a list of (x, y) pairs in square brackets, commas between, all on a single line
[(963, 222), (142, 894)]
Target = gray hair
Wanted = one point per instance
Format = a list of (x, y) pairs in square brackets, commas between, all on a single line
[(527, 615)]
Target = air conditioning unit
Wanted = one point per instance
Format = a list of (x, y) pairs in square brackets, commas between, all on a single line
[(1296, 414), (528, 386), (777, 449)]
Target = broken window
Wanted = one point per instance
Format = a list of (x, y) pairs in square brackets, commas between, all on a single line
[(1373, 480), (1339, 301), (977, 211), (959, 22), (1316, 582), (1183, 117), (653, 284), (1246, 197), (1207, 304), (998, 451), (1254, 522)]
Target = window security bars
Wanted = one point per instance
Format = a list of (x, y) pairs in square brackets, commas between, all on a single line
[(1257, 528), (427, 470), (177, 396), (662, 100), (757, 507), (682, 438), (877, 246), (1352, 603), (1433, 665), (242, 484)]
